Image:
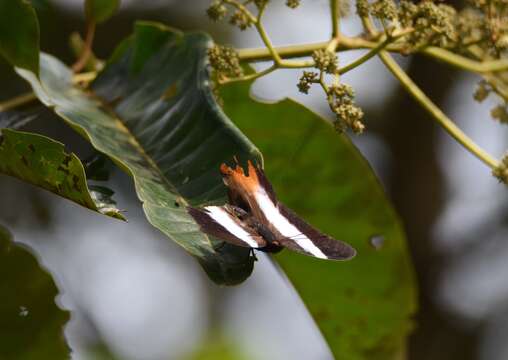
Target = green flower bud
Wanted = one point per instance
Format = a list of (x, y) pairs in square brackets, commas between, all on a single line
[(225, 61), (217, 11), (240, 19), (500, 113), (501, 171), (325, 60), (293, 4), (482, 91), (385, 9), (362, 8), (306, 80)]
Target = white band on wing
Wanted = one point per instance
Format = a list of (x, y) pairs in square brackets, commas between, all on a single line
[(282, 224), (222, 217)]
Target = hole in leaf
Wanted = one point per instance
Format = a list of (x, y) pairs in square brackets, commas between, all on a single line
[(377, 241)]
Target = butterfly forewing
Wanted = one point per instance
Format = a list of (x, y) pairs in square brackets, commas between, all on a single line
[(310, 241)]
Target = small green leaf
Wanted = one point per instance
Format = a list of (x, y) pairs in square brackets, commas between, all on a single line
[(100, 10), (363, 306), (31, 324), (154, 114), (19, 34), (43, 162)]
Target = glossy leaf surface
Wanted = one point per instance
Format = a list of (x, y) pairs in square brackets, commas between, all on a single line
[(153, 112)]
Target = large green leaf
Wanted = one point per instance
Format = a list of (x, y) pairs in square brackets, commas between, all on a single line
[(43, 162), (154, 114), (100, 10), (31, 324), (19, 34), (363, 306)]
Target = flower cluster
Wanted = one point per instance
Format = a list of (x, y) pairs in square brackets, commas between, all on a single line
[(325, 61), (241, 19), (240, 16), (293, 4), (383, 9), (489, 24), (500, 111), (306, 80), (340, 96), (501, 171), (224, 60), (341, 101), (217, 11)]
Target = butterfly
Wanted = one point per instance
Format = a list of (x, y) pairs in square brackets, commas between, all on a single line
[(254, 218)]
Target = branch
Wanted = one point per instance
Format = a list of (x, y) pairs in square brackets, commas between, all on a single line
[(354, 43), (436, 112), (464, 63)]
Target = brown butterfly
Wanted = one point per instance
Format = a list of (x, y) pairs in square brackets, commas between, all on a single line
[(255, 218)]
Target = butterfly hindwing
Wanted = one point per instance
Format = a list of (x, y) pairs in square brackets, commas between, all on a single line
[(218, 221)]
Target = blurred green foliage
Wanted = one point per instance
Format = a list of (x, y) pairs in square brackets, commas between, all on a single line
[(31, 323), (19, 34), (99, 11)]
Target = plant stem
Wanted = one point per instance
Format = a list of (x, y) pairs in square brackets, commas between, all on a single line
[(87, 49), (242, 8), (436, 112), (464, 63), (354, 43), (266, 39), (84, 77), (383, 43), (17, 101), (250, 76), (26, 98), (373, 52), (335, 16)]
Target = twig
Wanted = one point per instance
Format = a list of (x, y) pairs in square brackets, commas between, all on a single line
[(335, 17), (87, 49), (26, 98), (250, 76), (17, 101)]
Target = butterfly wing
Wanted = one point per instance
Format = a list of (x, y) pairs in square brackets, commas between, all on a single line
[(308, 240), (220, 222), (254, 193)]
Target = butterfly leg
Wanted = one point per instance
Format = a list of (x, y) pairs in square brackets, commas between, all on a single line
[(253, 254)]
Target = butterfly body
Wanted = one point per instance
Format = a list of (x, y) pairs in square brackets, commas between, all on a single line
[(255, 218)]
